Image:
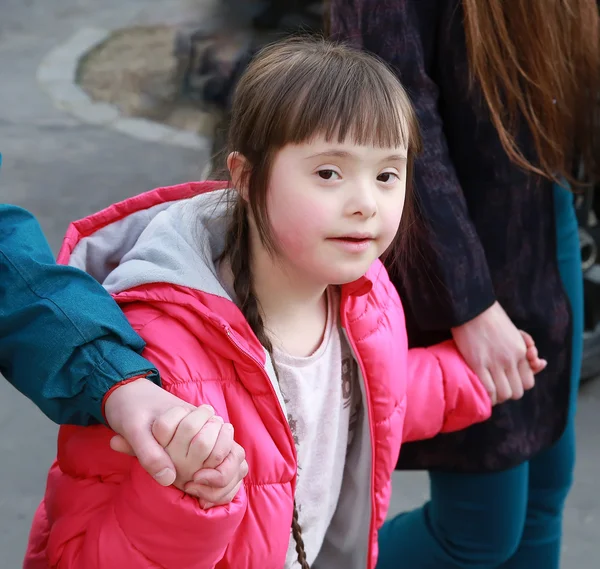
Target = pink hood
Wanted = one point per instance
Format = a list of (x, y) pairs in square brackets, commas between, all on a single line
[(156, 253)]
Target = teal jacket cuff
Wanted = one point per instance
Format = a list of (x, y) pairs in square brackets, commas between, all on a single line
[(115, 363)]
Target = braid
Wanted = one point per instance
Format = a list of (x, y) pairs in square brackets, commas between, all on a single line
[(239, 257), (238, 250), (297, 533)]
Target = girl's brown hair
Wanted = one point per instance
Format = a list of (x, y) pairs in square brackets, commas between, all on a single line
[(538, 60), (292, 91)]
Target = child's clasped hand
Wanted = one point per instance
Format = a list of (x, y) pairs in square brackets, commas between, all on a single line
[(536, 363), (210, 465)]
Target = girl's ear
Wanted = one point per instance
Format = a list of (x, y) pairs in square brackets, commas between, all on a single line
[(239, 169)]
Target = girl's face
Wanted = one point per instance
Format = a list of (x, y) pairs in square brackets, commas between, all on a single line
[(334, 208)]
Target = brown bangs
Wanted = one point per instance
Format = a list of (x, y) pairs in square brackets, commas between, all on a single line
[(346, 101), (331, 91)]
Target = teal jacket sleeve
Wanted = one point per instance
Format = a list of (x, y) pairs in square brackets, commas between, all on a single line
[(64, 342)]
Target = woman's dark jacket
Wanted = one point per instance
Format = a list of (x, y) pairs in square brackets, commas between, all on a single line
[(489, 229)]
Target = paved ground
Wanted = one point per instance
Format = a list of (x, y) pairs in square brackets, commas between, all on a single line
[(62, 170)]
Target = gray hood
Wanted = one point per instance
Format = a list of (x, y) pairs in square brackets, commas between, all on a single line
[(176, 243)]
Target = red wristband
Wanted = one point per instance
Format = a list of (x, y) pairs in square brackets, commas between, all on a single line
[(115, 387)]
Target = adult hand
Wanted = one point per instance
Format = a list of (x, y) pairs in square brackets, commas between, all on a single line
[(131, 410), (496, 351)]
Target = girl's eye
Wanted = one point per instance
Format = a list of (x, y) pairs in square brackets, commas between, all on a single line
[(387, 177), (328, 174)]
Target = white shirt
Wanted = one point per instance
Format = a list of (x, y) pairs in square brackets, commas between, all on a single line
[(322, 399)]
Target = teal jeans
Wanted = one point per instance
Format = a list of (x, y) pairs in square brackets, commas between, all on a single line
[(502, 520)]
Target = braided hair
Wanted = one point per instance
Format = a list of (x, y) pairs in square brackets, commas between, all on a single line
[(237, 250)]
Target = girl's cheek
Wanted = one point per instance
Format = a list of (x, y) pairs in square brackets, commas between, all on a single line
[(299, 233), (294, 243), (309, 218), (391, 225)]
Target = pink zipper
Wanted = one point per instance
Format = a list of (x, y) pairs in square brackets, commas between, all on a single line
[(371, 423), (262, 368)]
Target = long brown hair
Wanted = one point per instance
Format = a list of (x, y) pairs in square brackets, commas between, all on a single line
[(538, 60), (292, 91)]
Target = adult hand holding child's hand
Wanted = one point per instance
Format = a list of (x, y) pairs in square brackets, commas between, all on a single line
[(130, 411), (503, 357), (209, 463)]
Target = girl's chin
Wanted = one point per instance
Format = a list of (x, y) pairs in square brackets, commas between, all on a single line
[(349, 274)]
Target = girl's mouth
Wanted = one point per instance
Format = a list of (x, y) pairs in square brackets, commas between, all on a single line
[(353, 243)]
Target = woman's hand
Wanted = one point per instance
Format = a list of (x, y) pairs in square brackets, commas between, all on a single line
[(504, 358), (130, 411)]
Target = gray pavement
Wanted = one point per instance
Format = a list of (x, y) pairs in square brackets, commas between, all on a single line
[(62, 170)]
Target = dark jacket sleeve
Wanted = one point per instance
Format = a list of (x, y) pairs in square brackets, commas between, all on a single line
[(64, 342), (447, 278)]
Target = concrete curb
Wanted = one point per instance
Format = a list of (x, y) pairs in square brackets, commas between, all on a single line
[(57, 75)]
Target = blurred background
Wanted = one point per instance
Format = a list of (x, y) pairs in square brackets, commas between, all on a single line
[(175, 62)]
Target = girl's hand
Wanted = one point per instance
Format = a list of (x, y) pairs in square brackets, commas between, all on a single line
[(535, 362), (498, 354), (218, 486), (209, 463)]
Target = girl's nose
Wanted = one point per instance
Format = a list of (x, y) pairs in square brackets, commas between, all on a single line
[(364, 203)]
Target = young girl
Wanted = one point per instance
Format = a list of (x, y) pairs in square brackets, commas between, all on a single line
[(268, 303)]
